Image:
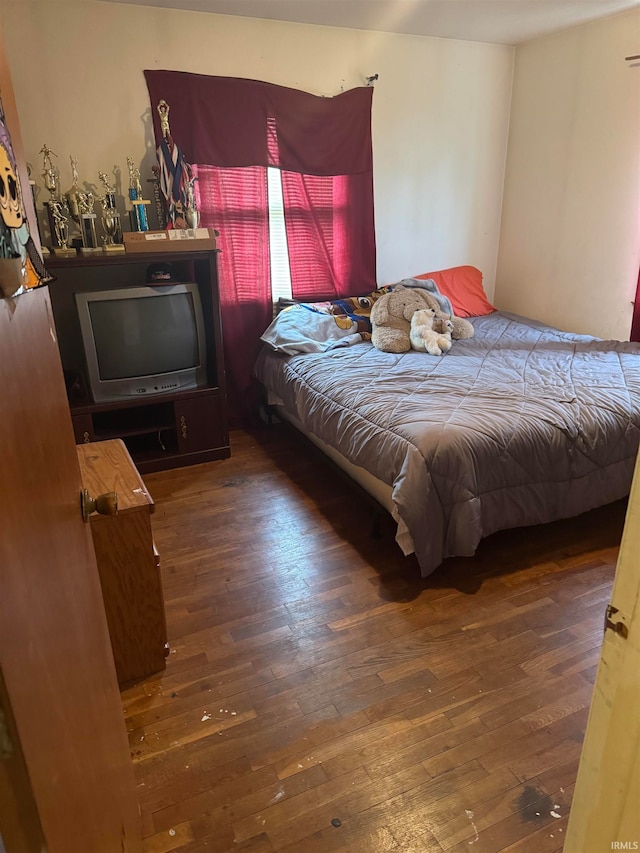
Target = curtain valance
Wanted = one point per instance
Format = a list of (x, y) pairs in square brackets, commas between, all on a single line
[(224, 121)]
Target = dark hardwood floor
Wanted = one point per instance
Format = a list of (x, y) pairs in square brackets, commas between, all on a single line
[(320, 696)]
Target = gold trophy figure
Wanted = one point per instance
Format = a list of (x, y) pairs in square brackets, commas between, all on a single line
[(80, 206), (163, 112), (56, 207), (110, 217), (71, 194), (110, 190), (61, 230), (86, 201), (50, 174)]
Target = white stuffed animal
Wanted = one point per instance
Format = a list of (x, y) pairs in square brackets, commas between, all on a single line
[(424, 337)]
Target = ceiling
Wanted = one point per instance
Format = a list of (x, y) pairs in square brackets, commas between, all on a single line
[(498, 21)]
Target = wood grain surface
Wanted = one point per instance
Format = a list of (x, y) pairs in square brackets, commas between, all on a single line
[(106, 466), (128, 561), (320, 696)]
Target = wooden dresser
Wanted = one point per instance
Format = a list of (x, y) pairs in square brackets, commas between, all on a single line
[(128, 562)]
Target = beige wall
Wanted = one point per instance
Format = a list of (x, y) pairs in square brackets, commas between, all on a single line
[(570, 239), (440, 115)]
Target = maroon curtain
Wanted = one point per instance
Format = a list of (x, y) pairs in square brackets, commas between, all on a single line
[(635, 323), (330, 234), (323, 147), (222, 121), (234, 201)]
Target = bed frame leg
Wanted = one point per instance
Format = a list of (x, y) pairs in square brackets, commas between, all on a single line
[(265, 414)]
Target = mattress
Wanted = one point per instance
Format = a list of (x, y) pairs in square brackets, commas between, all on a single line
[(522, 424)]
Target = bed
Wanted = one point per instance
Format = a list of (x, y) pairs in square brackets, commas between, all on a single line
[(522, 424)]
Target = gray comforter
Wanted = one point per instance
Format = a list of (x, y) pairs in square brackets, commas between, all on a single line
[(520, 425)]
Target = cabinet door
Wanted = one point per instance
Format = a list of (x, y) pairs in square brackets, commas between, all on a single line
[(199, 422)]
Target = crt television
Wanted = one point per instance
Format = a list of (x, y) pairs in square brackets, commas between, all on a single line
[(143, 341)]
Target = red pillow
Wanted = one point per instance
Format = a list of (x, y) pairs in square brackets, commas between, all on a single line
[(463, 287)]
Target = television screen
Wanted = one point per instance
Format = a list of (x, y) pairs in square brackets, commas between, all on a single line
[(143, 340), (151, 336)]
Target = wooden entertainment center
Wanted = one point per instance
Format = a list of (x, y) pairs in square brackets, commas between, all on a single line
[(160, 431)]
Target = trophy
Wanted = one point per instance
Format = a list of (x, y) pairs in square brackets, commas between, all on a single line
[(60, 230), (179, 195), (192, 214), (80, 206), (110, 217), (50, 175), (55, 207), (87, 218), (138, 215)]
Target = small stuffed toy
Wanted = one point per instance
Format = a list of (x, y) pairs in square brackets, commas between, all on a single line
[(444, 325), (424, 336)]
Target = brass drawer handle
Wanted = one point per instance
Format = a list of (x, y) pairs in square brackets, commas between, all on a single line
[(617, 627)]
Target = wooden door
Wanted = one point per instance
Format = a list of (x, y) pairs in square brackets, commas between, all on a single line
[(66, 781), (605, 814)]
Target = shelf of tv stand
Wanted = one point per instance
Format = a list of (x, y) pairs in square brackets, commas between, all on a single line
[(163, 430)]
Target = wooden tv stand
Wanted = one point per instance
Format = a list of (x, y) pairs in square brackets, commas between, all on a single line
[(128, 563), (162, 431)]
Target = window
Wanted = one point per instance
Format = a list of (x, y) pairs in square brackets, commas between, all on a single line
[(278, 246), (314, 160)]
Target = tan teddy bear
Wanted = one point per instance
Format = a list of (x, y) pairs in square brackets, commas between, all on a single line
[(391, 318)]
